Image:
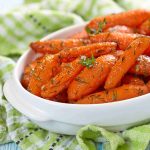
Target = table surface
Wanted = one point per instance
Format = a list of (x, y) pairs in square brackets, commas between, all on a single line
[(9, 146)]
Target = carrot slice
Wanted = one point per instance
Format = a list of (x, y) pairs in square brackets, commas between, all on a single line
[(81, 35), (130, 79), (117, 94), (142, 66), (132, 18), (56, 45), (90, 78), (122, 29), (47, 68), (62, 80), (126, 61), (145, 27), (96, 49)]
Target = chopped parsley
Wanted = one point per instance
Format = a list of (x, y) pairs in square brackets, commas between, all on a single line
[(114, 96), (87, 62), (101, 25)]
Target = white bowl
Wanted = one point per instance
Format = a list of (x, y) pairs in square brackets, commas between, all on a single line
[(68, 118)]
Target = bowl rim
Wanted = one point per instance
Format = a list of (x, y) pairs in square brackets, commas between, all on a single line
[(50, 36)]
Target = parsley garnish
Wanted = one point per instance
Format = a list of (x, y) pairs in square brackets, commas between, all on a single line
[(101, 25), (114, 96), (87, 62)]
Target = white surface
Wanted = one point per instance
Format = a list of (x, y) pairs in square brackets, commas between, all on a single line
[(68, 118), (7, 5)]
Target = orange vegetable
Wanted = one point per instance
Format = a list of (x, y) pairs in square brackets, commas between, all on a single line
[(62, 80), (142, 66), (117, 94), (56, 45), (148, 85), (118, 28), (126, 61), (90, 78), (28, 71), (145, 27), (132, 18), (130, 79), (122, 39), (61, 97), (96, 49), (47, 68)]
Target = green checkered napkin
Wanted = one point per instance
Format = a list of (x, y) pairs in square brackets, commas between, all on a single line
[(31, 22)]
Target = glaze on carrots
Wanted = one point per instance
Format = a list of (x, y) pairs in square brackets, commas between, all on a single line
[(97, 49), (117, 94), (132, 18), (90, 78), (56, 45), (43, 72), (126, 61), (62, 80)]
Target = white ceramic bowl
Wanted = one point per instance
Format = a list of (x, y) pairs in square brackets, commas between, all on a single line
[(68, 118)]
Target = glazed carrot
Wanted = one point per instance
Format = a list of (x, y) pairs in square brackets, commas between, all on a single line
[(117, 94), (145, 27), (47, 68), (90, 78), (62, 80), (61, 97), (56, 45), (96, 49), (81, 35), (130, 79), (148, 85), (126, 61), (28, 71), (142, 66), (132, 18), (122, 39), (122, 29)]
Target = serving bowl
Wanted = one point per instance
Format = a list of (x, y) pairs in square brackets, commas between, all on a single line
[(69, 118)]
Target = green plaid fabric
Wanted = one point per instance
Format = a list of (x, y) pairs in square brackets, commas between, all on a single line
[(31, 22)]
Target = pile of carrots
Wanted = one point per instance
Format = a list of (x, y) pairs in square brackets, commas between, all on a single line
[(109, 60)]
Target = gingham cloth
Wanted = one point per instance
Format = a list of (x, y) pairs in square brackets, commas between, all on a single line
[(31, 22)]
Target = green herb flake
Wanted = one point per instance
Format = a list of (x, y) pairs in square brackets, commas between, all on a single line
[(87, 62), (114, 96), (101, 25)]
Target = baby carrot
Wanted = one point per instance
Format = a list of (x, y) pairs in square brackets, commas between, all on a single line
[(28, 71), (96, 49), (132, 18), (56, 45), (47, 68), (62, 80), (90, 78), (122, 39), (142, 66), (123, 92), (145, 27), (126, 61)]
